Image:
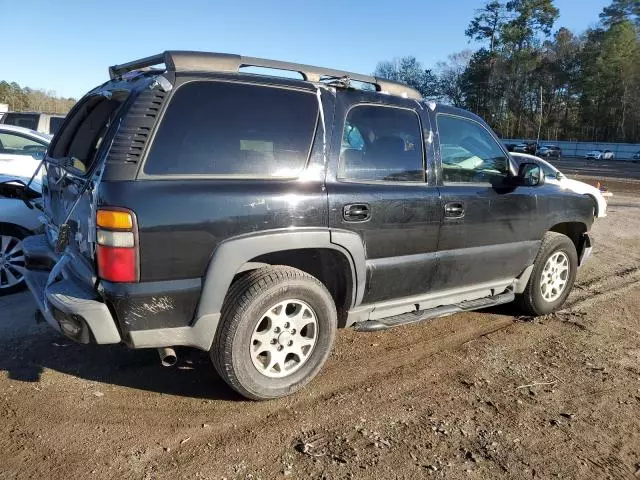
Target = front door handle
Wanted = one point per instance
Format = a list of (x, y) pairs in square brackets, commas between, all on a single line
[(454, 210), (356, 212)]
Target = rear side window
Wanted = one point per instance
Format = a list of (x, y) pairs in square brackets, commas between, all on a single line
[(26, 120), (233, 129), (381, 143), (54, 124)]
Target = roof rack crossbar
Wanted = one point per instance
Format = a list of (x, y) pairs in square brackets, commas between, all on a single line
[(179, 61)]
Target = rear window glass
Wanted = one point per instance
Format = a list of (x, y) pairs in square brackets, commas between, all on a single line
[(79, 142), (26, 120), (54, 124), (218, 128)]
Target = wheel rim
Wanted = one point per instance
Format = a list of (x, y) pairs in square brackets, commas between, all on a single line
[(555, 276), (284, 338), (11, 262)]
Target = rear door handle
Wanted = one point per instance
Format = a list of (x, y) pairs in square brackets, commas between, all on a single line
[(356, 212), (454, 210)]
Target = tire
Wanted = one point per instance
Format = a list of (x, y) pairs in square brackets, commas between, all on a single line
[(254, 310), (11, 256), (532, 301)]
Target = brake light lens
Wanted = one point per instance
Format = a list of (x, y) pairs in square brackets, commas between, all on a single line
[(117, 249)]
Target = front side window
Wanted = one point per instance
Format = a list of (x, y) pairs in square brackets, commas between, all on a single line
[(11, 144), (381, 144), (469, 153), (234, 129)]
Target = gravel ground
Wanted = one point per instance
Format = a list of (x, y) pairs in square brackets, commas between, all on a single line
[(477, 395)]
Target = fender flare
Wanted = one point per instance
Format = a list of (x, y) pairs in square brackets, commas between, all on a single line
[(231, 256)]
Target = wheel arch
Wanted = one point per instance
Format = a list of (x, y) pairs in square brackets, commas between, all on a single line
[(8, 225), (596, 207), (574, 230), (318, 252)]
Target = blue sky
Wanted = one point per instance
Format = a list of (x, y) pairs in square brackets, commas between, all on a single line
[(67, 45)]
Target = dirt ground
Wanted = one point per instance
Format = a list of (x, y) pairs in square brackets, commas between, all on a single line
[(477, 395)]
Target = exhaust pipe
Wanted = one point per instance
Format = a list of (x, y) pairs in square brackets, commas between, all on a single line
[(168, 356)]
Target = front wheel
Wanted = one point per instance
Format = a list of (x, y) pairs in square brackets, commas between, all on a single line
[(552, 278), (277, 329)]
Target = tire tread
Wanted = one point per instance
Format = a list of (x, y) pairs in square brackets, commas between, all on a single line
[(238, 299)]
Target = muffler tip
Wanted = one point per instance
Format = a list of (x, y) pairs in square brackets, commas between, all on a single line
[(168, 357)]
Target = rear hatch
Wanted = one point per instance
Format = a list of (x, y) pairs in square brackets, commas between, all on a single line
[(75, 164)]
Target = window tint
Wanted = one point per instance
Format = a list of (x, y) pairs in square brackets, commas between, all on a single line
[(54, 124), (381, 144), (217, 128), (26, 120), (469, 153), (18, 145)]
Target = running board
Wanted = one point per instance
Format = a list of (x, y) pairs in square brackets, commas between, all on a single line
[(442, 311)]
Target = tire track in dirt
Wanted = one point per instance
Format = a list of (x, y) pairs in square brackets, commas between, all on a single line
[(603, 288), (339, 381)]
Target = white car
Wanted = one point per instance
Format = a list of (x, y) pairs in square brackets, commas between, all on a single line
[(21, 150), (600, 155), (17, 221), (556, 177)]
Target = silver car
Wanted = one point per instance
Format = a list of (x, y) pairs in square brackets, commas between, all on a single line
[(17, 221)]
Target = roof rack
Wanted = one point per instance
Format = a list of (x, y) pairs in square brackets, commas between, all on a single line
[(182, 61)]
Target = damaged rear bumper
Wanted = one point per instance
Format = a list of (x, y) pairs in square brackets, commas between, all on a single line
[(67, 304)]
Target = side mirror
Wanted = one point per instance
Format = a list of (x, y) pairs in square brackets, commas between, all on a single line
[(559, 176), (530, 175)]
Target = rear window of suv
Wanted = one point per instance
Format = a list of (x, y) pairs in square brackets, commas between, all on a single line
[(234, 129), (26, 120)]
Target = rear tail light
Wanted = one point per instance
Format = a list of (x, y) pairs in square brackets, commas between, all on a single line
[(117, 250)]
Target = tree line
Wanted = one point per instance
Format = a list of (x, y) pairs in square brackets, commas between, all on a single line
[(588, 83), (24, 99)]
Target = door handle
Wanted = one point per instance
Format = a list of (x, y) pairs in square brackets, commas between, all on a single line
[(454, 210), (356, 212)]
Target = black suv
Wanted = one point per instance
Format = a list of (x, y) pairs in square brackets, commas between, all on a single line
[(251, 215)]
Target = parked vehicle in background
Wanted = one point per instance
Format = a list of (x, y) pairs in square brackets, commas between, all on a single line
[(250, 216), (600, 155), (636, 157), (47, 123), (550, 151), (520, 148), (553, 176), (532, 148), (510, 147), (17, 221), (21, 150)]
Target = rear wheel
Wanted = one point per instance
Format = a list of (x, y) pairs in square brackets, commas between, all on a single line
[(553, 274), (11, 260), (277, 329)]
